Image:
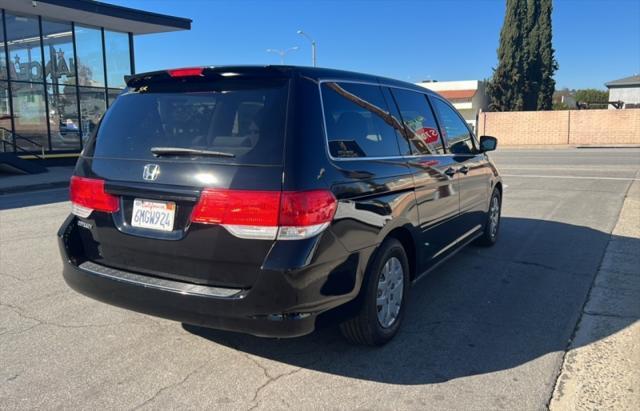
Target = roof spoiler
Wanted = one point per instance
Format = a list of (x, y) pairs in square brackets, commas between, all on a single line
[(205, 73)]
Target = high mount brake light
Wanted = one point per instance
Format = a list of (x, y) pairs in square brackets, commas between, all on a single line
[(187, 72), (87, 194), (267, 215)]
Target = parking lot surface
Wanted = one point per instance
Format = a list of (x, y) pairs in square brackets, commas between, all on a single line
[(487, 330)]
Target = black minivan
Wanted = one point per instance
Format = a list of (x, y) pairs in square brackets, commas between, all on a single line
[(256, 199)]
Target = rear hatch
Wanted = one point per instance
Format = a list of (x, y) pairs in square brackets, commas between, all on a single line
[(166, 139)]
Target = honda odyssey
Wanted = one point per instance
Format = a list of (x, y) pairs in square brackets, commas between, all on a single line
[(255, 199)]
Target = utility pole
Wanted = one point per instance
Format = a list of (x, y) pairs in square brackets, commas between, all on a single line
[(282, 53), (313, 47)]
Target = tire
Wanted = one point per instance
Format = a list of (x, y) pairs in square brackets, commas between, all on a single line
[(492, 221), (372, 324)]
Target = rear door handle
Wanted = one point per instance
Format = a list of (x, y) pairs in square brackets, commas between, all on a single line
[(450, 171), (463, 169)]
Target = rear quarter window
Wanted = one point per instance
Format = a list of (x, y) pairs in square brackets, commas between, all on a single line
[(358, 121), (245, 118)]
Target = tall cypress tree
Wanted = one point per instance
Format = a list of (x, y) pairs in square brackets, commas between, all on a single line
[(523, 79), (532, 56), (506, 89), (548, 63)]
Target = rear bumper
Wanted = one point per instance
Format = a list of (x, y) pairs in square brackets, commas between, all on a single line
[(280, 304)]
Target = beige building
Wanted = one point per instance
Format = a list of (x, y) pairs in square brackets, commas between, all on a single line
[(467, 96)]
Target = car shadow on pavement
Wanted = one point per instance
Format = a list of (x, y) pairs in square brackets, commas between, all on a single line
[(486, 310)]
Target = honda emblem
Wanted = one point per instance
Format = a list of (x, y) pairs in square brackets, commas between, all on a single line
[(151, 172)]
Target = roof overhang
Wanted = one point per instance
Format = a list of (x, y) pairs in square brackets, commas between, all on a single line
[(462, 105), (625, 85), (99, 14), (631, 81), (455, 95)]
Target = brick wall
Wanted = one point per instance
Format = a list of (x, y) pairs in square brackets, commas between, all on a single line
[(573, 127)]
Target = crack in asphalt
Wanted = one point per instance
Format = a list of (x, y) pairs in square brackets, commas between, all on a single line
[(12, 276), (169, 387), (269, 381), (523, 262), (622, 317), (18, 311), (274, 379), (14, 332), (264, 369)]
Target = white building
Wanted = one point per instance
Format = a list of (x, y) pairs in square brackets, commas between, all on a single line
[(626, 90), (467, 96)]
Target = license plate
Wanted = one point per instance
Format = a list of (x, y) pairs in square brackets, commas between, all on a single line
[(155, 215)]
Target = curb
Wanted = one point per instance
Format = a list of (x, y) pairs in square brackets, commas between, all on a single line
[(612, 146), (563, 146)]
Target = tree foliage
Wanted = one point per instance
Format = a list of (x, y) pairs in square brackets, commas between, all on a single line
[(506, 88), (547, 62), (592, 95), (523, 79)]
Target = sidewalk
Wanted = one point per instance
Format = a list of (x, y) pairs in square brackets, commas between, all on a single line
[(56, 177), (601, 369), (562, 146)]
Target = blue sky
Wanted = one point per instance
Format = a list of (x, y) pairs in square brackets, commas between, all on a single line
[(595, 40)]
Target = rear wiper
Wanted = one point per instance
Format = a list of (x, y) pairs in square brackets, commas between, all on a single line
[(180, 151)]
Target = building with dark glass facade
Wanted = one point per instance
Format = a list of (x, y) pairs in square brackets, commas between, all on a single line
[(62, 63)]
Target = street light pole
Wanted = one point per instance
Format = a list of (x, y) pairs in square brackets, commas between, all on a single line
[(313, 46), (282, 53)]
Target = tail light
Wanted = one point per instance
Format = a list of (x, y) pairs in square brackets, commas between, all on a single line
[(267, 215), (87, 194), (306, 213), (246, 214)]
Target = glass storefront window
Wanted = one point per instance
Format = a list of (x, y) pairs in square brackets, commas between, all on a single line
[(30, 119), (58, 90), (57, 39), (5, 117), (63, 117), (3, 58), (92, 107), (23, 41), (118, 58), (113, 93), (89, 53)]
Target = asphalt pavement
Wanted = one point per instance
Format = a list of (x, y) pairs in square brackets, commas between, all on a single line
[(488, 330)]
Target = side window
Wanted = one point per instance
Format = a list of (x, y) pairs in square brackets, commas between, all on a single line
[(454, 129), (420, 123), (358, 121), (403, 141)]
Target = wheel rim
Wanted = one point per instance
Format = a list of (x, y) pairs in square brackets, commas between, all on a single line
[(390, 290), (494, 217)]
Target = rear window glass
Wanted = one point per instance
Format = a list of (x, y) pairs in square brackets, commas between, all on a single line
[(241, 118)]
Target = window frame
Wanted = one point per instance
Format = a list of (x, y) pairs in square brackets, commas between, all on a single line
[(475, 144), (382, 85)]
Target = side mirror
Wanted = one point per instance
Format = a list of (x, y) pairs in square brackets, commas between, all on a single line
[(488, 143)]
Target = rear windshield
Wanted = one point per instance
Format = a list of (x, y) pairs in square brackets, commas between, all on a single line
[(242, 118)]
